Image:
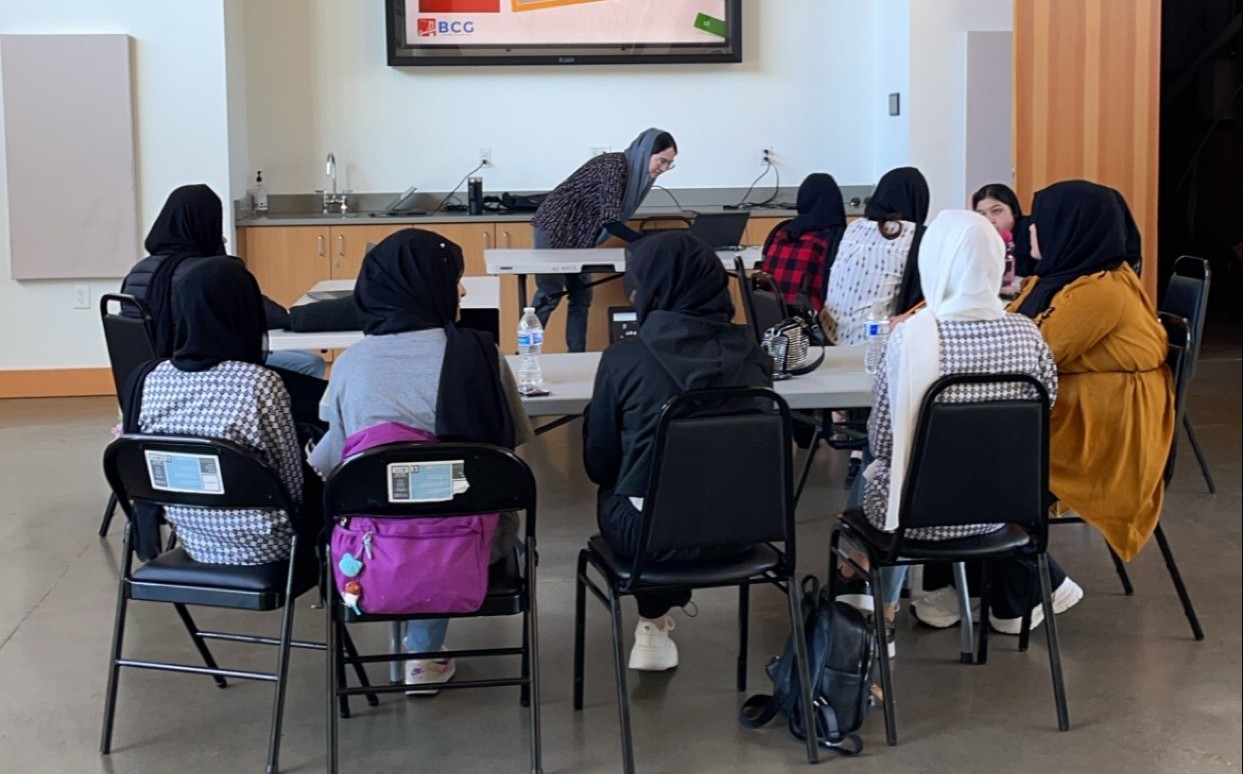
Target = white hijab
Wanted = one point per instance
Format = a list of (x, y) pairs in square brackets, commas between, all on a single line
[(961, 262)]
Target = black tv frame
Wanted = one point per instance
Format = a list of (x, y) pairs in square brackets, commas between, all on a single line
[(400, 56)]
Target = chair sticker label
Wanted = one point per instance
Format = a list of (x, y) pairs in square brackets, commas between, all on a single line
[(426, 482), (176, 472)]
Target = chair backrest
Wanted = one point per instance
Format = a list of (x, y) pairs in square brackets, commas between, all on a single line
[(1182, 343), (721, 473), (187, 471), (1187, 296), (129, 335), (979, 463), (495, 480), (764, 308)]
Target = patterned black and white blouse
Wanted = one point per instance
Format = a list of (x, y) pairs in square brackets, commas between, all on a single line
[(574, 214), (248, 405), (867, 272), (1011, 344)]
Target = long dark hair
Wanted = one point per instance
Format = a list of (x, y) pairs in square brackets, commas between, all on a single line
[(664, 141), (1002, 193)]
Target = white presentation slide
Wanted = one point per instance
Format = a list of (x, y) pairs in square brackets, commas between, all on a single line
[(564, 22)]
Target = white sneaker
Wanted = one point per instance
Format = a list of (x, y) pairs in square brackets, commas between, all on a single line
[(429, 671), (653, 650), (939, 609), (1065, 597)]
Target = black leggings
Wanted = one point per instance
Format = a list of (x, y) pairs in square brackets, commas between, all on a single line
[(1012, 583), (620, 523)]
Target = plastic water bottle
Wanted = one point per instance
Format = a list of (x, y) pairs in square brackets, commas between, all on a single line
[(876, 331), (530, 342)]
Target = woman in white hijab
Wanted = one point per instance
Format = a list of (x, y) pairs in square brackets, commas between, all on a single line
[(963, 329)]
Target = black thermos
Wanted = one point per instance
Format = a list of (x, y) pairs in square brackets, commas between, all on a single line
[(474, 196)]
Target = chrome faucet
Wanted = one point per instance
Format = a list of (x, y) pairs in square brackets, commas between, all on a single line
[(331, 197)]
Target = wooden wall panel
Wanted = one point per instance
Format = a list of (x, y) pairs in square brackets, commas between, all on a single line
[(1087, 93)]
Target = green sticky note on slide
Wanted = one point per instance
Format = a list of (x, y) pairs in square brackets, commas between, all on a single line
[(710, 24)]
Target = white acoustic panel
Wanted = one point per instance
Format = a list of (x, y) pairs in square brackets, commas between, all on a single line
[(69, 154)]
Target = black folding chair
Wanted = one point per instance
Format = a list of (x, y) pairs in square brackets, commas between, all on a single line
[(132, 464), (130, 338), (499, 481), (718, 479), (1005, 446), (1182, 344), (1187, 297)]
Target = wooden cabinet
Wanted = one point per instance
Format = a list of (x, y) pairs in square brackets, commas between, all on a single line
[(286, 260)]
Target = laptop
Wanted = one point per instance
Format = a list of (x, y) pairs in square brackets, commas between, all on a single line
[(721, 230), (623, 323)]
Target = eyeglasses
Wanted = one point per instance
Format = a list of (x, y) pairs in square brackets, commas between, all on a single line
[(663, 164)]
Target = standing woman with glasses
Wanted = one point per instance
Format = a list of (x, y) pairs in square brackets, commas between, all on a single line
[(587, 208)]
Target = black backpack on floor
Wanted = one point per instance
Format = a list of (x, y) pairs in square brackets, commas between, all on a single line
[(839, 654)]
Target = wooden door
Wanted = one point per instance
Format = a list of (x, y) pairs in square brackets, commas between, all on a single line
[(349, 245), (1087, 99), (286, 260)]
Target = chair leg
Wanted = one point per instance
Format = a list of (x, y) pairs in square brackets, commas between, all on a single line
[(801, 662), (114, 668), (623, 695), (1120, 568), (882, 654), (1195, 447), (1055, 656), (372, 699), (580, 610), (332, 656), (532, 668), (811, 457), (199, 643), (282, 673), (109, 511), (395, 675), (524, 695), (966, 634), (1176, 576), (744, 607), (343, 701), (986, 599)]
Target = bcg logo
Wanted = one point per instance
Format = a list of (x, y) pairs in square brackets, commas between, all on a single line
[(430, 28)]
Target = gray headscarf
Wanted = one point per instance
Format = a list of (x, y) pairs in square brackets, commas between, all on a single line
[(638, 181)]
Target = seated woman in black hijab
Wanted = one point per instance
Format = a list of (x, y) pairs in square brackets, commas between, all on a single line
[(188, 229), (216, 386), (417, 368), (799, 252), (686, 342)]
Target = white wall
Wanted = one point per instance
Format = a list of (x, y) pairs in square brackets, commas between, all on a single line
[(938, 88), (180, 110), (317, 81), (891, 73)]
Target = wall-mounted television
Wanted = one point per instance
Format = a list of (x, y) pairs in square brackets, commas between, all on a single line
[(529, 32)]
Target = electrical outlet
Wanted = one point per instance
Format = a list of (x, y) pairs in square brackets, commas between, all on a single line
[(81, 296), (485, 156), (767, 156), (599, 151)]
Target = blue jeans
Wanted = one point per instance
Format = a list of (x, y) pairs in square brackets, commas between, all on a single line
[(891, 578), (298, 361), (550, 288), (426, 635)]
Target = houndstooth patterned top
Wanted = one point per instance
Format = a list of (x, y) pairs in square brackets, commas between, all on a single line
[(1011, 344), (248, 405)]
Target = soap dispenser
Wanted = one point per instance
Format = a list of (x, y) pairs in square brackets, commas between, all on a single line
[(259, 196)]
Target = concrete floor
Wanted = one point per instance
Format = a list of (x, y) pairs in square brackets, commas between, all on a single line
[(1143, 696)]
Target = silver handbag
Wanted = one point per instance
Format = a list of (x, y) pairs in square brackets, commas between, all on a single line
[(788, 343)]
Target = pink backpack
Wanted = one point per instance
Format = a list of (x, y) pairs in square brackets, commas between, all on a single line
[(396, 566)]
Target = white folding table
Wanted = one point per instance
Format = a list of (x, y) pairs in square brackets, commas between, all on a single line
[(481, 293), (596, 260)]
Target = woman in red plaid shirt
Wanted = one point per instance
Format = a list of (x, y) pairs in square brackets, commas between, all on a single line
[(799, 252)]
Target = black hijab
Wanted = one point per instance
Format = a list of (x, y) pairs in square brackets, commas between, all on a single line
[(1081, 229), (218, 314), (673, 271), (820, 206), (190, 225), (409, 282), (902, 194)]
